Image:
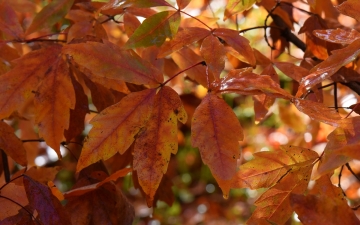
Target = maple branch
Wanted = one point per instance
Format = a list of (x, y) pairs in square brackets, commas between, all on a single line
[(167, 81), (335, 97), (5, 163), (339, 184), (30, 213), (111, 18), (259, 27), (352, 172)]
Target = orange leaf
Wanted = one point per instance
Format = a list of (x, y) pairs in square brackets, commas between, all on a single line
[(155, 29), (53, 101), (11, 144), (243, 81), (144, 3), (328, 67), (239, 43), (291, 70), (55, 191), (213, 53), (183, 38), (110, 62), (323, 206), (215, 130), (115, 127), (131, 23), (182, 3), (237, 6), (339, 36), (350, 8), (22, 80), (155, 144), (185, 58), (15, 193), (273, 205), (47, 205), (49, 15), (9, 22)]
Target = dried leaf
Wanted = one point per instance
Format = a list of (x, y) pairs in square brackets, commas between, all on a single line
[(338, 35), (48, 206), (155, 144), (11, 144), (215, 130), (239, 43), (108, 61), (53, 101), (155, 29), (49, 15), (115, 127)]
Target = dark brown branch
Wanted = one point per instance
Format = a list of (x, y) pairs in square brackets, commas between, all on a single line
[(5, 163)]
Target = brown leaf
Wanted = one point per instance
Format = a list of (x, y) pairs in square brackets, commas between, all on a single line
[(53, 101), (239, 43), (9, 22), (350, 8), (48, 206), (11, 144), (115, 127), (338, 35), (158, 140), (215, 130), (291, 70), (15, 193)]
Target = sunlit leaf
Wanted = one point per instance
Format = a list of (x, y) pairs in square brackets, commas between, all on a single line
[(182, 3), (215, 130), (328, 67), (9, 22), (131, 23), (47, 205), (213, 53), (237, 6), (184, 37), (115, 127), (108, 61), (145, 3), (350, 8), (155, 29), (239, 43), (158, 140), (50, 14), (338, 35), (22, 80), (53, 101)]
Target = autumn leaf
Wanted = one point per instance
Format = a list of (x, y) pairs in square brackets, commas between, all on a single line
[(213, 53), (328, 67), (237, 6), (131, 23), (215, 130), (274, 205), (155, 29), (158, 140), (17, 194), (183, 38), (115, 127), (182, 3), (48, 206), (323, 205), (338, 35), (11, 144), (49, 15), (9, 22), (145, 3), (350, 8), (239, 43), (110, 62), (293, 71), (24, 78), (53, 101)]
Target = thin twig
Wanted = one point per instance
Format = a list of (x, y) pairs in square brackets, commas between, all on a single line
[(30, 213), (339, 184), (352, 172), (5, 163), (199, 63)]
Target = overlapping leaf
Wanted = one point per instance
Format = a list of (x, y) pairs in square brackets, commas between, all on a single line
[(53, 101), (237, 6), (22, 80), (115, 127), (243, 81), (213, 53), (9, 23), (48, 206), (328, 67), (155, 144), (15, 193), (182, 3), (239, 43), (338, 35), (155, 29), (144, 3), (350, 8), (183, 38), (216, 131), (11, 144), (113, 64), (50, 14)]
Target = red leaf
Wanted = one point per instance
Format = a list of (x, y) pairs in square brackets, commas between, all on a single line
[(9, 22), (11, 144), (158, 140), (215, 130), (182, 3), (339, 36), (213, 53), (239, 43), (48, 206), (291, 70), (115, 127), (145, 3)]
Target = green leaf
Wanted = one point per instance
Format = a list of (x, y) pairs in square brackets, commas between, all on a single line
[(155, 29)]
